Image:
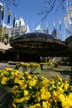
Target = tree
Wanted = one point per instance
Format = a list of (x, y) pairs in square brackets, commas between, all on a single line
[(8, 3), (58, 6), (68, 41), (53, 5)]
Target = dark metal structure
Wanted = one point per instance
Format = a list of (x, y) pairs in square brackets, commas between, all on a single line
[(31, 46), (37, 41)]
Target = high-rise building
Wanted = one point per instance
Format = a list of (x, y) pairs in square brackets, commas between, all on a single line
[(1, 5)]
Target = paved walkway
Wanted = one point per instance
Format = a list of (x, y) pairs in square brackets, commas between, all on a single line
[(63, 71), (5, 65)]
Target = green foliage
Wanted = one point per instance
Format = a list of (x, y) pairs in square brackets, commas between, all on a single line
[(68, 41)]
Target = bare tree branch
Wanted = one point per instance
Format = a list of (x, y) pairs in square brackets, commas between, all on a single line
[(45, 13), (61, 4), (52, 5), (8, 3)]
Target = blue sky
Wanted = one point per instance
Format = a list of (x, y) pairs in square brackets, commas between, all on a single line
[(29, 9)]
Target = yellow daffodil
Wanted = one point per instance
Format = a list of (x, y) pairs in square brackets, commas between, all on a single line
[(19, 100), (26, 92), (37, 105), (45, 104), (61, 98), (4, 80), (32, 83), (36, 91), (14, 106), (45, 95)]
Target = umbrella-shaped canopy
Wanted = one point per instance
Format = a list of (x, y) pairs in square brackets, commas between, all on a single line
[(37, 42)]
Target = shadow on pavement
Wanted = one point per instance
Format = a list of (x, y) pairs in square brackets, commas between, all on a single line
[(64, 72)]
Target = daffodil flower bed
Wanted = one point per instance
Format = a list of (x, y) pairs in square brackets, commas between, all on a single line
[(34, 91), (50, 63), (31, 66)]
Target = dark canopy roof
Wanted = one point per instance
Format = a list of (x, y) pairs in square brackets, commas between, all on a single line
[(37, 40)]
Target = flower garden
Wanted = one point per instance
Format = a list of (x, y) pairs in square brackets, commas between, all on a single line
[(35, 67), (34, 91)]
